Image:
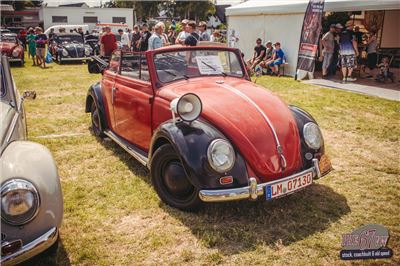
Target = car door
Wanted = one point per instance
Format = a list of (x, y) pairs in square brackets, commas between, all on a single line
[(132, 100), (108, 88)]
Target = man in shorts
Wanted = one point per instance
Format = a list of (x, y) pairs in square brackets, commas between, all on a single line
[(348, 52), (328, 42), (41, 41)]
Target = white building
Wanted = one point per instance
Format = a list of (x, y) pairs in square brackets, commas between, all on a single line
[(85, 15), (282, 21)]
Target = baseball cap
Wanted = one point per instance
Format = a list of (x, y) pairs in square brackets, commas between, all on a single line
[(339, 26)]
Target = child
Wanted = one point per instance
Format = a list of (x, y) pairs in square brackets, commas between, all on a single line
[(31, 45), (384, 72)]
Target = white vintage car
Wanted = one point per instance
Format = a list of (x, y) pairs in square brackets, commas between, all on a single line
[(31, 198)]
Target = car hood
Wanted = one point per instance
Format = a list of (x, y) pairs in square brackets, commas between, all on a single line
[(240, 109), (7, 47), (72, 46)]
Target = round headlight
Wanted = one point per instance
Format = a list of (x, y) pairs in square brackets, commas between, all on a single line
[(221, 155), (15, 52), (312, 135), (87, 51), (19, 201), (188, 107), (64, 52)]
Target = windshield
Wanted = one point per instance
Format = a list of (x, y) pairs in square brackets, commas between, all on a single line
[(12, 39), (177, 65), (69, 38)]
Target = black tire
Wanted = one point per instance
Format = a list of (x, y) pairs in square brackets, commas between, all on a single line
[(96, 122), (170, 181), (59, 61)]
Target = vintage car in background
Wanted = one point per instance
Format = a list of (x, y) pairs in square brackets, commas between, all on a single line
[(11, 47), (31, 198), (93, 41), (69, 47), (205, 131)]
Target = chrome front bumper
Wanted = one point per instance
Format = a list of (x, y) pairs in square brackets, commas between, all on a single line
[(12, 59), (253, 190), (75, 58), (31, 249)]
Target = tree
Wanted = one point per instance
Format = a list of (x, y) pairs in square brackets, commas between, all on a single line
[(20, 5)]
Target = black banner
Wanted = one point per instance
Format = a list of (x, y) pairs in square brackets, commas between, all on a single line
[(312, 27)]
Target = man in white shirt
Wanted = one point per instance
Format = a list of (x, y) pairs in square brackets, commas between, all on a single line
[(183, 34), (124, 40), (156, 40)]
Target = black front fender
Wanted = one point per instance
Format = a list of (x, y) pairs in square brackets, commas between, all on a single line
[(302, 117), (95, 94), (191, 141)]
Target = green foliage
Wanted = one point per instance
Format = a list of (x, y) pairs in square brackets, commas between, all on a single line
[(20, 5)]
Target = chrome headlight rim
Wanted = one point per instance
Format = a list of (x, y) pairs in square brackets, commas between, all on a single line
[(15, 184), (88, 50), (309, 142), (210, 150), (64, 52), (16, 52)]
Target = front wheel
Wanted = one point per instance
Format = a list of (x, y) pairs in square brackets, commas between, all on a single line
[(59, 59), (95, 117), (171, 182)]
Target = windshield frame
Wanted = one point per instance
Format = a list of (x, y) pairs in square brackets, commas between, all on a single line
[(177, 49), (57, 40)]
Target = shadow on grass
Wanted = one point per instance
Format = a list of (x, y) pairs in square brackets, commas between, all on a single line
[(234, 227), (49, 258)]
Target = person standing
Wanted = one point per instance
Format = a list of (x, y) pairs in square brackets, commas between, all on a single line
[(156, 40), (193, 38), (335, 57), (348, 52), (108, 41), (328, 43), (124, 40), (22, 37), (144, 39), (171, 34), (203, 32), (372, 56), (30, 38), (135, 38), (41, 41), (216, 36), (183, 34)]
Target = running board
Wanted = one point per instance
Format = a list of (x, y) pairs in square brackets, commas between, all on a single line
[(132, 150)]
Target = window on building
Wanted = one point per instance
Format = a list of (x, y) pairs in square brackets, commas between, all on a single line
[(59, 19), (90, 20), (119, 19)]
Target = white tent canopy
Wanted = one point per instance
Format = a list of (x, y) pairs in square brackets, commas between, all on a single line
[(282, 21), (263, 7)]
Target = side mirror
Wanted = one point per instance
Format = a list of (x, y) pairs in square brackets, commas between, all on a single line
[(29, 95)]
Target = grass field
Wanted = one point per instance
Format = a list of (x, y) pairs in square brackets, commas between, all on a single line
[(114, 217)]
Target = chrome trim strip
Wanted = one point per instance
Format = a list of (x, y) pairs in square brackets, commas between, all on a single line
[(14, 59), (74, 58), (142, 159), (252, 191), (245, 97), (12, 126), (31, 249)]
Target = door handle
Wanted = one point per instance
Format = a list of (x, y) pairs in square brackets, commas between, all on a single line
[(113, 95)]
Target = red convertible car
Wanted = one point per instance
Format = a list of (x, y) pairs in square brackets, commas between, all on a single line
[(12, 48), (205, 131)]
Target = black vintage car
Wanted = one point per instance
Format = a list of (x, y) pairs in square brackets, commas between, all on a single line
[(69, 47), (93, 41)]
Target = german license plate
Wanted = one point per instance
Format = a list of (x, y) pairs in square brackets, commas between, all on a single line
[(288, 186)]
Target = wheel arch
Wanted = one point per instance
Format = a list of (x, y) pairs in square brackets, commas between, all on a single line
[(191, 141), (95, 95)]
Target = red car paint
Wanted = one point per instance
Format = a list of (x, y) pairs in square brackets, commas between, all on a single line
[(132, 102), (8, 47)]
